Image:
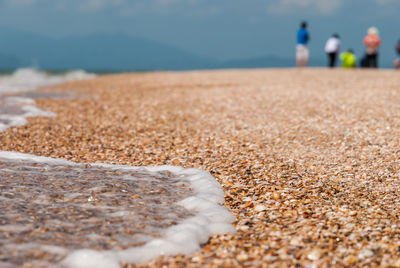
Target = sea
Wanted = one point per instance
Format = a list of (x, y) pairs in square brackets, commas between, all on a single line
[(57, 213)]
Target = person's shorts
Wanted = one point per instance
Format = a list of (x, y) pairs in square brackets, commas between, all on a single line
[(302, 52)]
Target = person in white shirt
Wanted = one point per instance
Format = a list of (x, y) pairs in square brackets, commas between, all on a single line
[(332, 49)]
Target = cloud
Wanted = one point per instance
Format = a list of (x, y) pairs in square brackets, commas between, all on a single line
[(124, 6), (81, 5), (173, 2), (189, 8), (386, 2), (65, 4), (323, 7), (167, 2), (170, 4), (96, 5), (20, 3)]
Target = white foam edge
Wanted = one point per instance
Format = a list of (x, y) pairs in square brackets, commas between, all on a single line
[(184, 238), (28, 79), (20, 120), (47, 248), (19, 100), (31, 111), (34, 158)]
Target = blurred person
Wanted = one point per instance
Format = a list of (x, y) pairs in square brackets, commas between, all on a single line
[(397, 61), (372, 43), (302, 53), (349, 60), (332, 48)]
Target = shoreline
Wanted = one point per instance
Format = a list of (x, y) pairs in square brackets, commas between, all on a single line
[(307, 162)]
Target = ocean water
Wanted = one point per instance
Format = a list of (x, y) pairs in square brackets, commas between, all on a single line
[(17, 100), (56, 213)]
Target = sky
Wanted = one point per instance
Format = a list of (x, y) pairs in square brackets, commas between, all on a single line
[(222, 29)]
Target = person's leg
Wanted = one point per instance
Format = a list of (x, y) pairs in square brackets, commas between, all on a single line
[(369, 61), (376, 60), (331, 60), (335, 55), (299, 62), (396, 63), (301, 56), (306, 56), (302, 62), (372, 61), (305, 62)]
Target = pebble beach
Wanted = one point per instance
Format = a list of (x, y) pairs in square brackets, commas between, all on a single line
[(309, 159)]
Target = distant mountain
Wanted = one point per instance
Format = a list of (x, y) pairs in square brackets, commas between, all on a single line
[(96, 52), (115, 52)]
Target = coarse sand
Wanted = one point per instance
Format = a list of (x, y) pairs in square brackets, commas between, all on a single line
[(309, 159)]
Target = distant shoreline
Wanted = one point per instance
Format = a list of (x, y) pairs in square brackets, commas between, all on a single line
[(106, 72)]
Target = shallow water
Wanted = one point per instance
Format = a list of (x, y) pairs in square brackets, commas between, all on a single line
[(67, 207)]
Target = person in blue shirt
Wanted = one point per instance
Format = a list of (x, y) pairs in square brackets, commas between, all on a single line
[(302, 53)]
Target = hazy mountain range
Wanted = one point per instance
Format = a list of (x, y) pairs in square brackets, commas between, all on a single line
[(113, 52)]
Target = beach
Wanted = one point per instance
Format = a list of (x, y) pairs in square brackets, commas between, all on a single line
[(308, 159)]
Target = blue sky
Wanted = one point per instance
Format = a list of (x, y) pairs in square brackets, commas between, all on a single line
[(224, 29)]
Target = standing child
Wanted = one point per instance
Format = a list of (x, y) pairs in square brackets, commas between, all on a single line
[(332, 48)]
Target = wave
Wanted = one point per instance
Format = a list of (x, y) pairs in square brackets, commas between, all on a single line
[(26, 79), (15, 108)]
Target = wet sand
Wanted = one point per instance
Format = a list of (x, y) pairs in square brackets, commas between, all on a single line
[(309, 159)]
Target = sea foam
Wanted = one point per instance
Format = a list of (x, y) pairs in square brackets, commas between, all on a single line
[(14, 110), (26, 79), (186, 237)]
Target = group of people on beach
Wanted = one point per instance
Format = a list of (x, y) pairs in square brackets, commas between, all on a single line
[(348, 59)]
